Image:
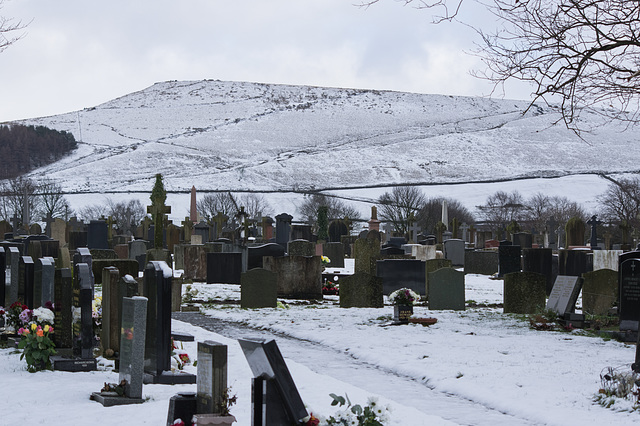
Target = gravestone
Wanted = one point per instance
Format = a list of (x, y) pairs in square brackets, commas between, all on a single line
[(224, 268), (335, 253), (366, 252), (283, 229), (337, 229), (26, 284), (454, 251), (12, 275), (539, 260), (132, 345), (433, 265), (256, 253), (361, 290), (564, 295), (508, 259), (524, 292), (124, 267), (523, 239), (4, 283), (97, 235), (103, 254), (484, 262), (573, 263), (85, 362), (399, 273), (606, 259), (212, 376), (122, 251), (63, 303), (258, 289), (446, 290), (301, 232), (301, 248), (59, 231), (299, 277), (44, 277), (138, 251), (629, 303), (111, 304), (599, 291), (157, 365), (194, 262), (274, 398), (83, 255)]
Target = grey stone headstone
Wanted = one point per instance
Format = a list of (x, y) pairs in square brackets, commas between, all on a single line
[(258, 289), (366, 252), (361, 290), (299, 277), (301, 248), (432, 265), (446, 290), (132, 344), (211, 383), (564, 294), (283, 228), (606, 259), (524, 292), (195, 262), (599, 291), (138, 251), (454, 251)]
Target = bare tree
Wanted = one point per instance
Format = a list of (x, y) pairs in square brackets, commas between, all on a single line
[(336, 208), (126, 214), (621, 202), (401, 206), (255, 205), (540, 208), (8, 30), (52, 199), (218, 202), (431, 213), (503, 208)]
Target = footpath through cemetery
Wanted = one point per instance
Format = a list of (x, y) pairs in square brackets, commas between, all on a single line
[(272, 321)]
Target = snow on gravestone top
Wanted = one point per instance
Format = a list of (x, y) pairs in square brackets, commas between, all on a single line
[(564, 294)]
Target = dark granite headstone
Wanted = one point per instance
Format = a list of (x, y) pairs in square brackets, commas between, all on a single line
[(3, 281), (399, 273), (335, 253), (258, 289), (629, 304), (508, 259), (446, 290), (63, 321), (124, 267), (539, 260), (12, 275), (524, 292), (256, 253), (224, 268), (523, 239), (574, 263), (299, 277), (283, 229), (44, 281), (26, 289), (111, 305), (361, 290)]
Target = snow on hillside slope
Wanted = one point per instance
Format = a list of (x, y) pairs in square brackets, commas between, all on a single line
[(235, 136)]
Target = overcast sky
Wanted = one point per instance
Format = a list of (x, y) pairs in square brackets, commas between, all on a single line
[(77, 54)]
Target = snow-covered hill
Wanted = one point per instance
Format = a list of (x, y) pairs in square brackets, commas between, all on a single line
[(249, 136)]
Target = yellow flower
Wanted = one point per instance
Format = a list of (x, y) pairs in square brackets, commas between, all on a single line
[(46, 328), (34, 326)]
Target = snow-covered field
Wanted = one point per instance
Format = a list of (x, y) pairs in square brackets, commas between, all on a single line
[(473, 359)]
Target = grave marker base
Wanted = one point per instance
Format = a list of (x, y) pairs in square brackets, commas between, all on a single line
[(73, 365), (169, 378), (110, 399)]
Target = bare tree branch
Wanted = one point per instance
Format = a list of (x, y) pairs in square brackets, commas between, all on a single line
[(8, 29)]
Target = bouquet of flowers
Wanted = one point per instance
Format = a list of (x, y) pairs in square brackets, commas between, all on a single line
[(179, 357), (16, 316), (404, 296), (36, 341), (325, 260)]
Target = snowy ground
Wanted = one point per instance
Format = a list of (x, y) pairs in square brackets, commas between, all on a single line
[(476, 361)]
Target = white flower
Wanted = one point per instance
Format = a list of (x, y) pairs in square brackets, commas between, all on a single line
[(44, 315)]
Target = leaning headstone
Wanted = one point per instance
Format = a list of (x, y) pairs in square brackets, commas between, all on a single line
[(399, 273), (361, 290), (524, 292), (157, 289), (258, 289), (564, 295), (131, 366), (599, 291), (446, 290), (275, 399), (454, 251)]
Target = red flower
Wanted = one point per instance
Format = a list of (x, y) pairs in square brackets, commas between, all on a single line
[(312, 421)]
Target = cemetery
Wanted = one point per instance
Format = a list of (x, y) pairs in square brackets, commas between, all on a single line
[(238, 320)]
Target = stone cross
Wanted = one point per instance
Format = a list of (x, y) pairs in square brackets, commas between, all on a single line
[(48, 220), (594, 222), (413, 232), (187, 226), (158, 212), (220, 220), (465, 229)]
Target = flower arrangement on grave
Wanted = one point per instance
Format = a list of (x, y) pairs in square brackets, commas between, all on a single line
[(35, 340), (96, 316), (325, 260), (190, 294), (179, 357), (404, 297), (372, 414), (619, 389), (227, 401), (16, 316), (330, 288)]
